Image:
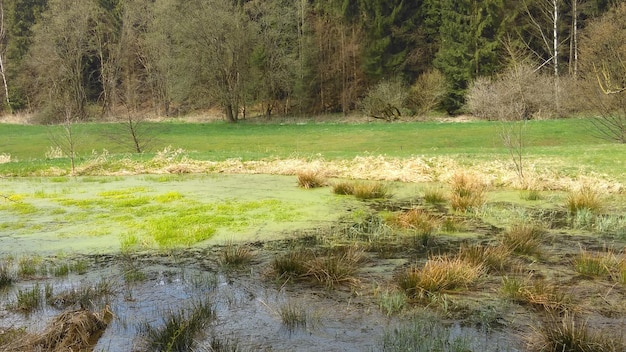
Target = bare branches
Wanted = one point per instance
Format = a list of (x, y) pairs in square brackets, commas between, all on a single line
[(605, 80)]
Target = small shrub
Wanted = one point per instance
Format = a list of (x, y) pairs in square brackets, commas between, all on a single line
[(386, 100), (524, 238), (585, 197), (439, 274), (310, 179), (343, 188), (370, 190), (428, 91), (468, 193), (493, 258), (570, 333)]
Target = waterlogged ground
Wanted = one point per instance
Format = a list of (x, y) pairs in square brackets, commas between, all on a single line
[(105, 214), (148, 246)]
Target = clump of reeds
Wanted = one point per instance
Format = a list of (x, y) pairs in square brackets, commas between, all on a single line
[(234, 256), (329, 268), (535, 293), (594, 264), (434, 195), (439, 274), (7, 278), (343, 188), (524, 238), (468, 192), (568, 332), (310, 179), (493, 258), (585, 197), (418, 220), (293, 316), (179, 329), (370, 190)]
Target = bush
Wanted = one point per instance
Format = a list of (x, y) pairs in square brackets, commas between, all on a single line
[(428, 91), (386, 100), (310, 179), (520, 93)]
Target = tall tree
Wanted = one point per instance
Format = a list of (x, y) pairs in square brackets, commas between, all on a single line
[(63, 56), (212, 44), (471, 35)]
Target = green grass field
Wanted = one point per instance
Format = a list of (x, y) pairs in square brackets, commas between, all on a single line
[(571, 141)]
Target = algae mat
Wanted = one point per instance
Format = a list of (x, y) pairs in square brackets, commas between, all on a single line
[(107, 214)]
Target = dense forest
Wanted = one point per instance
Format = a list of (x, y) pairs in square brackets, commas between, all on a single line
[(89, 59)]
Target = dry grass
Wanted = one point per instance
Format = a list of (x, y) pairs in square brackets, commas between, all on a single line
[(524, 238), (585, 197), (595, 264), (468, 192), (570, 333), (70, 331), (535, 293), (434, 195), (493, 258), (370, 190), (343, 188), (439, 274), (233, 255), (418, 220), (310, 179)]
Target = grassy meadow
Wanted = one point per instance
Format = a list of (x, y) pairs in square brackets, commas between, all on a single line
[(569, 144)]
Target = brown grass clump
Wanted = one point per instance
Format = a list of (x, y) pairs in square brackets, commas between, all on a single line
[(468, 192), (343, 188), (370, 190), (70, 331), (569, 333), (417, 220), (594, 264), (524, 238), (535, 293), (233, 255), (439, 274), (310, 179), (586, 197), (493, 258)]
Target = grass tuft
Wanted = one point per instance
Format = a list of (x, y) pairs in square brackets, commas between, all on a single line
[(468, 192), (493, 258), (570, 333), (370, 190), (417, 220), (439, 274), (343, 188), (233, 255), (524, 238), (293, 316), (179, 329), (6, 276), (310, 179), (434, 195), (585, 197), (535, 293), (594, 264)]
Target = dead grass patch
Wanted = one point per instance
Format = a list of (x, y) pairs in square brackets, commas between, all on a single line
[(310, 179), (585, 197), (535, 293), (418, 220), (524, 238), (468, 192), (439, 274), (493, 258)]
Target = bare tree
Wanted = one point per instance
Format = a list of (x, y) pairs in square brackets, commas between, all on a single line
[(603, 63), (64, 136), (133, 131)]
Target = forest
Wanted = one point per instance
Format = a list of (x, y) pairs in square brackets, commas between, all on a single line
[(97, 59)]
